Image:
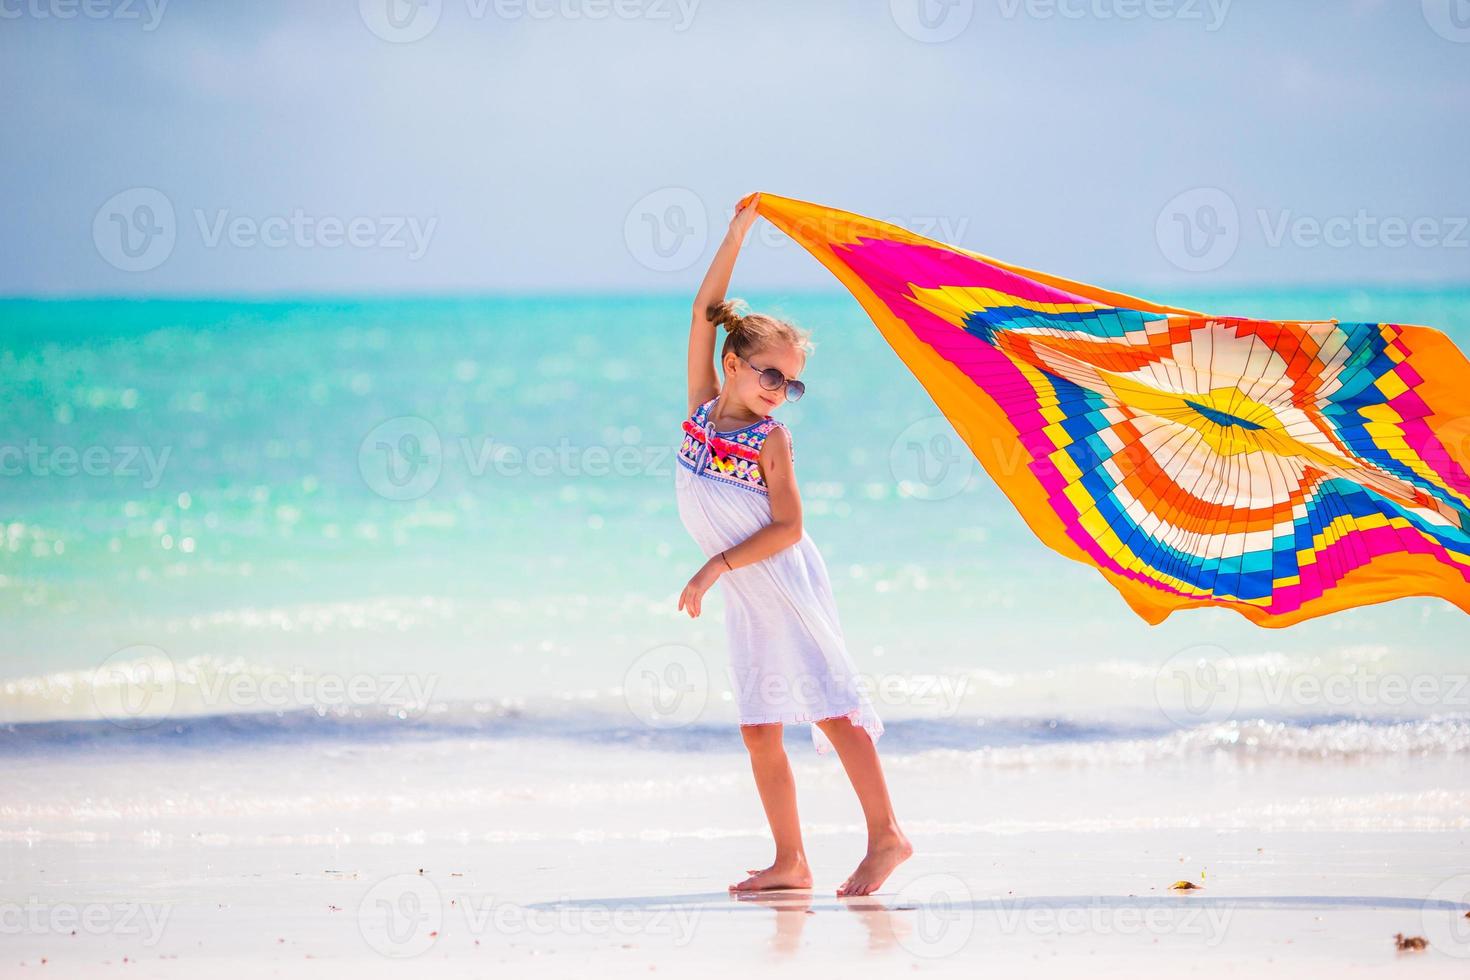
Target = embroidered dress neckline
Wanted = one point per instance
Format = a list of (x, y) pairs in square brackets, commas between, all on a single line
[(731, 457), (730, 432)]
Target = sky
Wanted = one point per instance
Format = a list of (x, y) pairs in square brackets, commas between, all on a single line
[(405, 146)]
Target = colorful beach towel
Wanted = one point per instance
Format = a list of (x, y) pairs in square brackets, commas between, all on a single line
[(1284, 469)]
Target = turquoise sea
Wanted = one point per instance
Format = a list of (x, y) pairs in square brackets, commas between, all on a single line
[(475, 495)]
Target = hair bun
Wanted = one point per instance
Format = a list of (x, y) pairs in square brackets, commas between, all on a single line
[(750, 332), (728, 313)]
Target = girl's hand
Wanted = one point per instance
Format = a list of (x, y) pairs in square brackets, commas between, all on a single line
[(744, 218), (692, 598)]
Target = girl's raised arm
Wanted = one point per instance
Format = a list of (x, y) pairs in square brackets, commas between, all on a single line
[(704, 381)]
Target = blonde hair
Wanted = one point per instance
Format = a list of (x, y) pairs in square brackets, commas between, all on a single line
[(749, 333)]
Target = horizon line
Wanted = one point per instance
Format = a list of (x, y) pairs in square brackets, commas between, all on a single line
[(265, 297)]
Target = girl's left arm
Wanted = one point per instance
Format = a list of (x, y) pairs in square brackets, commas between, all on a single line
[(784, 530)]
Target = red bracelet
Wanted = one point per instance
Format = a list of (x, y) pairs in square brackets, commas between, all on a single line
[(727, 562)]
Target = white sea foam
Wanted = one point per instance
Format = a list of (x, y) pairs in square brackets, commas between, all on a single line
[(1195, 684), (1242, 741), (141, 685)]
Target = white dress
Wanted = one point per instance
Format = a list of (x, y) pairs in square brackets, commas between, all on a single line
[(788, 659)]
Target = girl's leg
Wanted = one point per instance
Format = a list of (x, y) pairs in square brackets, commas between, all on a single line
[(778, 795), (887, 845)]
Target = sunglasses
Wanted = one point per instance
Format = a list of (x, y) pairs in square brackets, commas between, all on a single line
[(772, 380)]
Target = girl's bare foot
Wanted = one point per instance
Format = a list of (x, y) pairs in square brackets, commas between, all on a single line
[(884, 854), (782, 874)]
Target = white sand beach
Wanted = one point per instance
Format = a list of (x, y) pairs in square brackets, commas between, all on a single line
[(543, 857)]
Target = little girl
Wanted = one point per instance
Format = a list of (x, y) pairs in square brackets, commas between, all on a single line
[(736, 488)]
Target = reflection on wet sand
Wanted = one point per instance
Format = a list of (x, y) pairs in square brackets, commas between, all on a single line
[(793, 906), (939, 919)]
